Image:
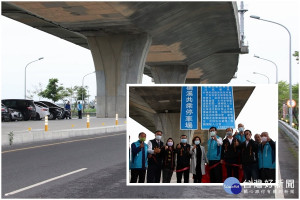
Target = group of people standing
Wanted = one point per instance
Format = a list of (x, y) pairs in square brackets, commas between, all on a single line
[(79, 109), (238, 151)]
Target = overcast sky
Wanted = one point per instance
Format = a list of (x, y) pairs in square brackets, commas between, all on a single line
[(21, 44)]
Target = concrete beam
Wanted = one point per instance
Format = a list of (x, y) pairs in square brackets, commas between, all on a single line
[(118, 60), (169, 74)]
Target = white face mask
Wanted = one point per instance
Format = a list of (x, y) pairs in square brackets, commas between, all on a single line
[(241, 129), (212, 133), (197, 142), (264, 139), (170, 144), (158, 137)]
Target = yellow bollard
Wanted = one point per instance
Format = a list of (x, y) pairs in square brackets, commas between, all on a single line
[(117, 119), (102, 124), (88, 121), (29, 128), (73, 125), (46, 123)]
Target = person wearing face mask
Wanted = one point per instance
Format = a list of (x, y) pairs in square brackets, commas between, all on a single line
[(139, 159), (155, 158), (168, 161), (214, 147), (249, 157), (230, 154), (198, 160), (240, 133), (183, 159), (266, 158)]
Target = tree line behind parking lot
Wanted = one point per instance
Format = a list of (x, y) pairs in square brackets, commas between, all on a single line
[(55, 92)]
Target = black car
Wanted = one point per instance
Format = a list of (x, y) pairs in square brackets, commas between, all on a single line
[(5, 113), (55, 110), (25, 106), (9, 114)]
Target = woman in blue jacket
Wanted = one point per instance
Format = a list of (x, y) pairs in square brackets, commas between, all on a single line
[(266, 158)]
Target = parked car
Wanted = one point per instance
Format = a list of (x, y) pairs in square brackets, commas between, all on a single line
[(25, 106), (5, 114), (42, 110), (55, 110), (9, 114)]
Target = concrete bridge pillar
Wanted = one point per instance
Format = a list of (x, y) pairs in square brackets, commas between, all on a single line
[(169, 74), (169, 123), (118, 60)]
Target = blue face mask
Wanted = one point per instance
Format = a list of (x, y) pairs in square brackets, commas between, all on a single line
[(197, 142), (241, 129), (183, 140), (158, 137), (229, 133)]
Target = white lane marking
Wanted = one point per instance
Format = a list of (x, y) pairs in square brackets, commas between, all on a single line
[(43, 182), (279, 189)]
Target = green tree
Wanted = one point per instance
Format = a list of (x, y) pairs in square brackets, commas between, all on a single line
[(283, 96), (53, 91), (296, 54), (82, 91), (295, 91)]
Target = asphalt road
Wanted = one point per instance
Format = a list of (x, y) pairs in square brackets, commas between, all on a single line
[(103, 175)]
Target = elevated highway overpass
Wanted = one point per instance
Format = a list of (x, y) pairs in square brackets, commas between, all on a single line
[(173, 42)]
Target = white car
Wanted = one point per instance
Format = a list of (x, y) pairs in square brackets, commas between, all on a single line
[(41, 110)]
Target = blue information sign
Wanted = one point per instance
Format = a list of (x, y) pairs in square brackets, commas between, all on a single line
[(217, 107), (189, 108)]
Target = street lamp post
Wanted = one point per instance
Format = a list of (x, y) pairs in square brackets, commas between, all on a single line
[(271, 62), (263, 75), (250, 82), (25, 75), (290, 65), (82, 89)]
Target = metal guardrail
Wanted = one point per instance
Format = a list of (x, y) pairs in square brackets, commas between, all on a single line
[(292, 133)]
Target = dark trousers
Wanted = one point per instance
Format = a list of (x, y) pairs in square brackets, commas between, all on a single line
[(153, 173), (232, 171), (137, 174), (251, 171), (185, 173), (216, 172), (167, 175), (79, 114), (197, 177), (267, 175)]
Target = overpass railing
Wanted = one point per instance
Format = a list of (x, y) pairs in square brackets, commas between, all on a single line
[(292, 133)]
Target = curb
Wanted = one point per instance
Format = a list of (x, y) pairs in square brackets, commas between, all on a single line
[(41, 135)]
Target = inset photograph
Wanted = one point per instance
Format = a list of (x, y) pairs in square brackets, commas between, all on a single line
[(190, 134)]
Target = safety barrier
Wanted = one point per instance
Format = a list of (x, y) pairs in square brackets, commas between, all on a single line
[(292, 133)]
